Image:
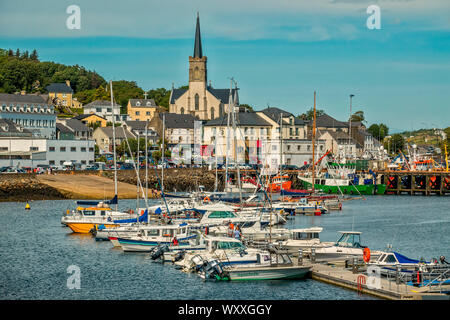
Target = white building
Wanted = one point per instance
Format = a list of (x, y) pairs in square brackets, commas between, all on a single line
[(104, 109), (30, 152)]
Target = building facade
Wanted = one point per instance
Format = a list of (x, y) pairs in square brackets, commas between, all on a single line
[(104, 109), (142, 109), (30, 112)]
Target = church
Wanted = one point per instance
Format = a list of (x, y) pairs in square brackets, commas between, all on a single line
[(200, 100)]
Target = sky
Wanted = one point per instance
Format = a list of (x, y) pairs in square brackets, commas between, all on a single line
[(279, 52)]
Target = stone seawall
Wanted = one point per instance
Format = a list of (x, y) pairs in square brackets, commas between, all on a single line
[(24, 187)]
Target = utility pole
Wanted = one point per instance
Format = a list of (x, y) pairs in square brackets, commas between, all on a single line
[(350, 122), (313, 145)]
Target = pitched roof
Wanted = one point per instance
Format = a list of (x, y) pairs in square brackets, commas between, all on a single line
[(100, 103), (76, 125), (176, 93), (136, 124), (274, 113), (21, 98), (242, 119), (59, 88), (142, 103), (339, 136), (10, 127), (223, 94), (62, 128), (87, 115), (328, 122), (180, 121), (108, 131)]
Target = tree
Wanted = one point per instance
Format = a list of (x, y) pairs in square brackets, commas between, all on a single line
[(161, 97), (378, 131), (249, 107), (358, 116), (395, 143), (309, 115), (34, 55)]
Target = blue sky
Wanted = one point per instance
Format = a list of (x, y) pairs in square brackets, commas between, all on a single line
[(278, 51)]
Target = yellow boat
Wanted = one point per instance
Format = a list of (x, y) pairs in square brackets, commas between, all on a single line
[(85, 219)]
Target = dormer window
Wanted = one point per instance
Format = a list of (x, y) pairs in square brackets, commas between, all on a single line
[(138, 104), (149, 103)]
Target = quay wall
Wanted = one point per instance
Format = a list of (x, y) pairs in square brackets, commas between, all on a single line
[(24, 187)]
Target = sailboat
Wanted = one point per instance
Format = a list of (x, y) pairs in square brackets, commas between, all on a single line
[(91, 214)]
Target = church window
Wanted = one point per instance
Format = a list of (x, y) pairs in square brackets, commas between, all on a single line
[(212, 113), (196, 73), (182, 111), (197, 101), (220, 110)]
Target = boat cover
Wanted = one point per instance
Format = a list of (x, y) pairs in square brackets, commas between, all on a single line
[(142, 218), (402, 259), (94, 203)]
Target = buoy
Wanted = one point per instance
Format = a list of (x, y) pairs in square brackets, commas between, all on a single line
[(27, 206), (318, 212)]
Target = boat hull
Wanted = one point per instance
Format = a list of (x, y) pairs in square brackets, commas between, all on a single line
[(80, 227), (366, 189), (267, 273)]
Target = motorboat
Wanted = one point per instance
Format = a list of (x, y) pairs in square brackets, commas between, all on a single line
[(86, 219), (153, 235), (348, 246), (304, 239)]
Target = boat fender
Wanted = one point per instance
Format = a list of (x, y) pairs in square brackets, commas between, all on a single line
[(366, 255), (206, 199)]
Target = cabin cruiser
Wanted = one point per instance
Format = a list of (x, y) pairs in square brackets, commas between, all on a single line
[(85, 219), (151, 236), (252, 231), (226, 250), (304, 239), (348, 246)]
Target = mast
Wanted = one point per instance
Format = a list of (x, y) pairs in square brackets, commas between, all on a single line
[(236, 149), (350, 123), (114, 141), (281, 150), (228, 137), (313, 145), (137, 161), (146, 167), (162, 153)]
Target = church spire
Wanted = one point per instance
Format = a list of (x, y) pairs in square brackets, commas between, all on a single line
[(198, 40)]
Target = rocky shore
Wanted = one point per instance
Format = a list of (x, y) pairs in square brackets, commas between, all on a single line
[(24, 187)]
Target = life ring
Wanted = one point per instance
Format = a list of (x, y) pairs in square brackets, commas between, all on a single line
[(206, 199), (366, 255)]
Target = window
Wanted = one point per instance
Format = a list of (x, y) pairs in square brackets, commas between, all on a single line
[(182, 111), (52, 149), (197, 101), (3, 148), (288, 147), (137, 113), (298, 148), (62, 149), (91, 149), (296, 131), (308, 148), (34, 148), (83, 149), (274, 148), (147, 113), (291, 131), (98, 109), (83, 161), (221, 214), (73, 149), (51, 162), (212, 113)]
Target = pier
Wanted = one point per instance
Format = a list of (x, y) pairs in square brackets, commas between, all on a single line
[(415, 182), (356, 278)]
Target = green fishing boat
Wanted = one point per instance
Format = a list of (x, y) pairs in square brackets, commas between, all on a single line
[(343, 186)]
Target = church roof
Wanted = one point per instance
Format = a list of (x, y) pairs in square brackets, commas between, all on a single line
[(223, 94), (242, 119), (198, 40), (176, 93)]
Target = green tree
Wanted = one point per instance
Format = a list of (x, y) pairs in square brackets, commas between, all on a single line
[(309, 115), (378, 131), (161, 97), (249, 107), (358, 116), (395, 143)]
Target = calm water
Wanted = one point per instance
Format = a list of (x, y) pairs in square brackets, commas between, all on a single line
[(36, 252)]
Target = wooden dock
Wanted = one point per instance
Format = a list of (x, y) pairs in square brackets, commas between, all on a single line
[(415, 182), (336, 274)]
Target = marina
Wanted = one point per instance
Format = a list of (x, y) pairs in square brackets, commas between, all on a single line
[(45, 251)]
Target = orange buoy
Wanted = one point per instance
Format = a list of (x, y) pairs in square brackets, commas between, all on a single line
[(206, 199), (366, 255), (317, 212)]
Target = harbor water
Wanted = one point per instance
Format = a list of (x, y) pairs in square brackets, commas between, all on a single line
[(37, 253)]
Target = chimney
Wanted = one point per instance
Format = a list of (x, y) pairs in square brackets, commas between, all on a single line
[(68, 83)]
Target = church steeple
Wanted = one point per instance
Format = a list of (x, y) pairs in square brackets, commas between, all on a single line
[(198, 40)]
